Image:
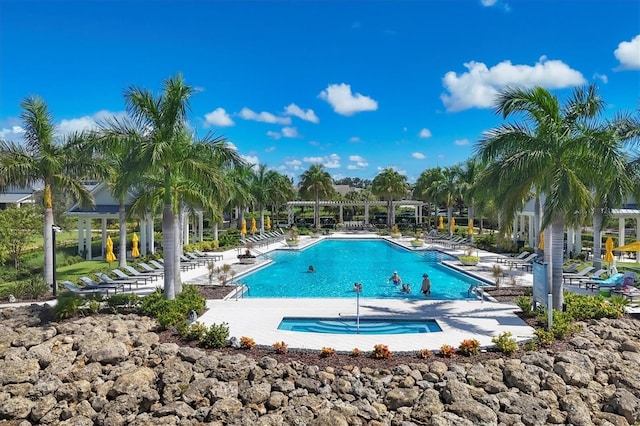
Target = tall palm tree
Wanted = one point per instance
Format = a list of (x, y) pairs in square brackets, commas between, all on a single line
[(469, 185), (279, 190), (239, 178), (424, 188), (165, 149), (316, 182), (449, 190), (59, 164), (260, 190), (550, 152), (388, 185)]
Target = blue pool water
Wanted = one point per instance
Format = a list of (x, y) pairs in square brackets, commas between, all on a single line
[(364, 326), (339, 264)]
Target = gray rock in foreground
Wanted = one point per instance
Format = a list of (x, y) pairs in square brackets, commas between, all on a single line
[(112, 370)]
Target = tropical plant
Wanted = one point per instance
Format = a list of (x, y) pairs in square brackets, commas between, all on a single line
[(316, 182), (176, 168), (18, 227), (449, 190), (388, 185), (553, 152), (58, 163), (424, 188)]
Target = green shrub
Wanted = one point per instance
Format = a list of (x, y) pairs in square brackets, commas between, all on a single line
[(170, 316), (191, 331), (544, 337), (505, 343), (123, 300), (68, 305), (216, 336), (169, 313), (525, 303)]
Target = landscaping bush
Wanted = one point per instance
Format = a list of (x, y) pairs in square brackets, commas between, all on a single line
[(216, 336), (68, 305), (447, 351), (525, 303), (469, 347), (381, 352), (505, 343)]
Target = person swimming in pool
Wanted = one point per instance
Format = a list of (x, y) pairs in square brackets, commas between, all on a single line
[(395, 278)]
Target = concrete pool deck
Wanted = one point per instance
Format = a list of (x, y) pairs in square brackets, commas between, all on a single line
[(258, 318)]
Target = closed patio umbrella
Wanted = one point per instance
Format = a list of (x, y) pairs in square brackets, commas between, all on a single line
[(608, 256), (441, 222), (243, 230), (267, 223), (254, 228), (470, 231), (135, 252), (635, 246), (110, 256), (541, 243), (452, 225)]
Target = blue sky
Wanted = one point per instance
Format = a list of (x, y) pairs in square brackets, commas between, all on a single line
[(356, 85)]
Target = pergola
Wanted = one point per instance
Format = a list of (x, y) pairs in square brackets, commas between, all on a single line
[(417, 205)]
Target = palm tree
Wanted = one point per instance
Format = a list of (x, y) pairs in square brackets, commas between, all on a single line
[(389, 184), (557, 157), (260, 190), (468, 185), (424, 188), (449, 190), (279, 190), (316, 182), (239, 178), (166, 149), (59, 164)]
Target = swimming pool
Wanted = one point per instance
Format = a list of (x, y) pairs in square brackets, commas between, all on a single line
[(363, 326), (339, 264)]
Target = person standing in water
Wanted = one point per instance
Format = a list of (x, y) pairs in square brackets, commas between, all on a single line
[(426, 285), (395, 278)]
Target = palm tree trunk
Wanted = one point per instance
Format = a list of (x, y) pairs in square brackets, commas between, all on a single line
[(316, 213), (168, 251), (179, 251), (557, 259), (215, 231), (597, 237), (48, 246), (537, 216), (261, 219), (122, 219), (449, 217), (390, 212), (471, 217)]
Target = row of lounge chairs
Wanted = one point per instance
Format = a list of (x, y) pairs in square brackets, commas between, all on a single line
[(145, 273), (453, 243), (265, 239)]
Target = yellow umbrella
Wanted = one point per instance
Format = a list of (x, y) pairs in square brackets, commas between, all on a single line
[(268, 223), (470, 232), (110, 257), (135, 252), (635, 246), (441, 222), (608, 256), (254, 229), (452, 224), (541, 243), (243, 231)]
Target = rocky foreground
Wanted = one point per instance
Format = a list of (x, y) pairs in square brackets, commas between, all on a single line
[(112, 370)]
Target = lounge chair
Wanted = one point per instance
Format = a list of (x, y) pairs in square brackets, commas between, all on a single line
[(613, 281), (134, 272), (156, 264), (141, 279), (570, 269), (208, 256), (89, 283), (68, 285), (108, 280), (522, 262), (631, 293), (581, 274), (146, 269), (505, 259), (186, 263), (593, 278)]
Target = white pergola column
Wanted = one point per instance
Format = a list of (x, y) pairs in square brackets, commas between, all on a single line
[(341, 216), (87, 241), (578, 243), (143, 237), (366, 213), (150, 235), (200, 226), (515, 230), (571, 241), (393, 212), (621, 231), (104, 237), (80, 235), (521, 228), (289, 215), (185, 228), (532, 233)]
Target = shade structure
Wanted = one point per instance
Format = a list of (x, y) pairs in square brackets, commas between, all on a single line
[(110, 256), (541, 243), (608, 255), (635, 246), (452, 224), (243, 230), (441, 222), (135, 251), (254, 228), (470, 231), (267, 223)]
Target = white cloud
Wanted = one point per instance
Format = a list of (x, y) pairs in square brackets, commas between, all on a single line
[(339, 96), (601, 77), (251, 159), (290, 132), (425, 133), (295, 164), (219, 118), (357, 163), (307, 115), (488, 3), (274, 135), (231, 145), (479, 86), (401, 171), (265, 117), (354, 139), (628, 54), (461, 142), (418, 155), (76, 125), (330, 162), (15, 132)]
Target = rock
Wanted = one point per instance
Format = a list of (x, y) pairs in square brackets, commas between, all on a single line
[(401, 397), (111, 352), (19, 371), (626, 404)]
